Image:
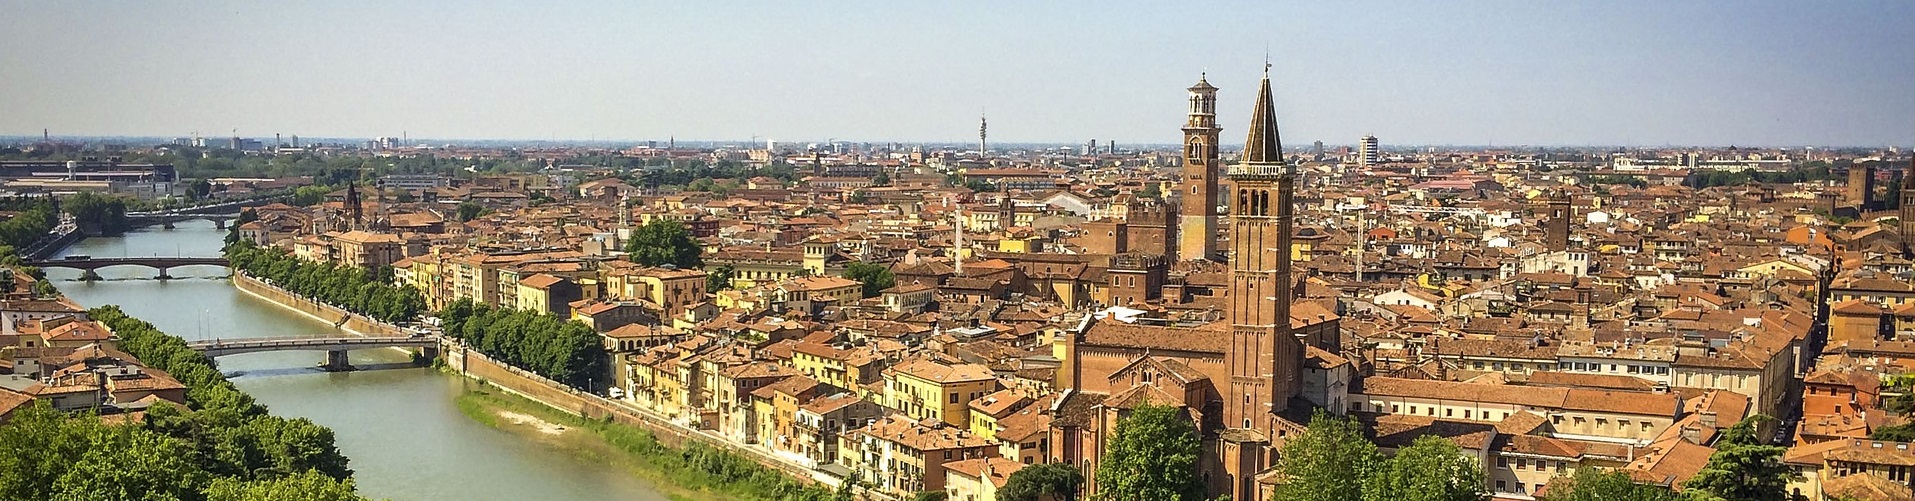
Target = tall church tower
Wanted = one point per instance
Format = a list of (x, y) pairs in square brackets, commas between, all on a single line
[(1908, 208), (1197, 222), (1556, 235), (1264, 356)]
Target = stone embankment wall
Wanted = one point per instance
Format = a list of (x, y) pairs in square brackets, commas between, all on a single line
[(353, 322)]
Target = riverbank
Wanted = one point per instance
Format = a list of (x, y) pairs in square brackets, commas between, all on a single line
[(670, 470), (690, 461), (359, 325)]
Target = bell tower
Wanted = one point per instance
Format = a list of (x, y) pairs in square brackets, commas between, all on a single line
[(1197, 219), (1264, 356), (1908, 208)]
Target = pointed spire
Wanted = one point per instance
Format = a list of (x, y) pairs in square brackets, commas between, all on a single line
[(1263, 145)]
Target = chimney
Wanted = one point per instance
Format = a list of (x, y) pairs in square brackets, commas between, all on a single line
[(1707, 418)]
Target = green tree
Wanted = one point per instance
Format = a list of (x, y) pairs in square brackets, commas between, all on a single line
[(882, 179), (664, 241), (1327, 462), (1743, 468), (469, 210), (1152, 457), (1053, 481), (1152, 190), (875, 277), (1430, 469), (1591, 484), (306, 486), (1904, 432), (718, 279), (103, 214)]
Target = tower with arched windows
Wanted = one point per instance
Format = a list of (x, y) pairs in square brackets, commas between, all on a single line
[(1264, 357), (1197, 220)]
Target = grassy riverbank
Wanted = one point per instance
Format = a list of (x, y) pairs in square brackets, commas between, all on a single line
[(693, 473)]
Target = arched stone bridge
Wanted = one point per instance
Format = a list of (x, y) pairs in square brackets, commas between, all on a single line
[(335, 347), (88, 265)]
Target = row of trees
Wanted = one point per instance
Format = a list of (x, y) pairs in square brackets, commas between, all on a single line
[(225, 448), (564, 351), (101, 214), (352, 288), (37, 217), (1155, 452)]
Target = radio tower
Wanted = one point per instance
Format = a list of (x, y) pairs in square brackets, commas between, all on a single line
[(981, 126)]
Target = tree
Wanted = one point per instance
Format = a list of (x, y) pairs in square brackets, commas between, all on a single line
[(875, 277), (718, 279), (1054, 481), (1904, 432), (199, 189), (1152, 457), (307, 486), (882, 179), (1327, 462), (1591, 484), (980, 185), (1430, 469), (1743, 468), (664, 241), (469, 210), (1152, 190)]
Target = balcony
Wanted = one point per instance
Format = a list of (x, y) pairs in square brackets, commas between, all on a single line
[(1258, 170)]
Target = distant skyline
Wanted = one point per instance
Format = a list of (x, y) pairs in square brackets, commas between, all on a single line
[(1467, 73)]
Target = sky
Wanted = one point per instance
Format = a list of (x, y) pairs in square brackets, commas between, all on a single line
[(1505, 73)]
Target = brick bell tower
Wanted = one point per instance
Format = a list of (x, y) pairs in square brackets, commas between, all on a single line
[(1197, 221), (1908, 209), (1264, 356)]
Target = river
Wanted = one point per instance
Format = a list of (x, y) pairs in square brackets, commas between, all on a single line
[(405, 436)]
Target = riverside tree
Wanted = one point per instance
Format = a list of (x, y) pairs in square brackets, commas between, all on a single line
[(1152, 457), (226, 447)]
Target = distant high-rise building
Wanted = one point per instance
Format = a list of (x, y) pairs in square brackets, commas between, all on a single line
[(1556, 233), (1317, 149), (1368, 153), (1197, 194)]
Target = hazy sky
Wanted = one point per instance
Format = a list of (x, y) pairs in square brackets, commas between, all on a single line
[(1414, 72)]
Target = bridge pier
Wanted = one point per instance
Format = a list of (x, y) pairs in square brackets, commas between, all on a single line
[(219, 223), (167, 225), (164, 275), (336, 361), (89, 275)]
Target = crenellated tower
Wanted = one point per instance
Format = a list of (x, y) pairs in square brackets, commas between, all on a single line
[(1197, 222)]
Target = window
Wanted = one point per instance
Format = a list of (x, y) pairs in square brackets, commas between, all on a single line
[(1501, 486), (1449, 412), (954, 398), (1502, 462), (1522, 464)]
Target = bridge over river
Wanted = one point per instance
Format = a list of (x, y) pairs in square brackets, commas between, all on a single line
[(89, 264), (335, 347)]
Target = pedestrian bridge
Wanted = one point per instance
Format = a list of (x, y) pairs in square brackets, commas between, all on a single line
[(335, 347), (89, 264)]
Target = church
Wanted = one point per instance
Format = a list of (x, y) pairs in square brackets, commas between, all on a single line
[(1249, 380)]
